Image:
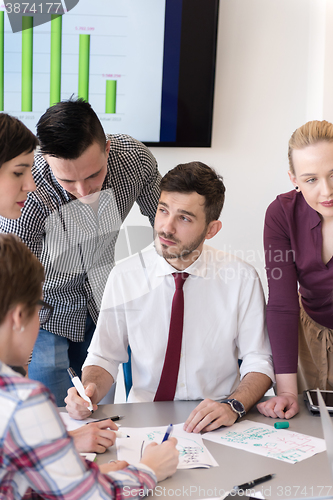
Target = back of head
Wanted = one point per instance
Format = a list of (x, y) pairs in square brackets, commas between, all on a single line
[(307, 135), (68, 128), (197, 177), (15, 138), (21, 276)]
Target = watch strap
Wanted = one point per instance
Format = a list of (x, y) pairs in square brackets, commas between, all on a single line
[(240, 412)]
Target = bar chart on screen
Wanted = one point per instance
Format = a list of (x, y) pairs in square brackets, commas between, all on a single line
[(107, 52)]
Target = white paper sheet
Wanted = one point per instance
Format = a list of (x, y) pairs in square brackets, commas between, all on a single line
[(262, 439), (72, 424), (89, 456), (192, 451)]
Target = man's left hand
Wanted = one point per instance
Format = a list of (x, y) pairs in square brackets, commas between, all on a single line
[(210, 415)]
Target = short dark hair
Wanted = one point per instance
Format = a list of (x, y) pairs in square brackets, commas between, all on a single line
[(21, 276), (15, 138), (68, 128), (197, 177)]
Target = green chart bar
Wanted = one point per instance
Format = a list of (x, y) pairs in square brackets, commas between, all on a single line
[(2, 47), (110, 96), (27, 61), (84, 57), (55, 62)]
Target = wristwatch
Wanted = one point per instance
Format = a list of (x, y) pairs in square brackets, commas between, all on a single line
[(236, 406)]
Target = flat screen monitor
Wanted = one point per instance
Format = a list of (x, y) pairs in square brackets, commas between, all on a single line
[(147, 67)]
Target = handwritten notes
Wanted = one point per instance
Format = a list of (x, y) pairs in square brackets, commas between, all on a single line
[(265, 440), (192, 452)]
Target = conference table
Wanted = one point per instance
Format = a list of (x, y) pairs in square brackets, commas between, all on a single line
[(309, 478)]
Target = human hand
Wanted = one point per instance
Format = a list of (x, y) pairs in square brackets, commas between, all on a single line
[(95, 437), (76, 406), (283, 406), (162, 458), (113, 466), (209, 415)]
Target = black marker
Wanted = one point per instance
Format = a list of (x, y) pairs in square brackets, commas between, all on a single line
[(255, 482), (114, 419)]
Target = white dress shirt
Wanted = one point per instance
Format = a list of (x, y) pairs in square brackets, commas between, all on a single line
[(224, 320)]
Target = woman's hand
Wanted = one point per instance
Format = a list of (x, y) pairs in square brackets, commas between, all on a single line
[(95, 437), (162, 458), (283, 406)]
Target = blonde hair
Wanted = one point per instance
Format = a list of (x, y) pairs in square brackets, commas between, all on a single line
[(310, 133)]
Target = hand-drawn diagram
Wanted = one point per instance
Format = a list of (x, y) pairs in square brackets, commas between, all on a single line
[(189, 449), (192, 451), (265, 440)]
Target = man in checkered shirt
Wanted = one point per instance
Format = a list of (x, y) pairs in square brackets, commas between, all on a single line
[(86, 184)]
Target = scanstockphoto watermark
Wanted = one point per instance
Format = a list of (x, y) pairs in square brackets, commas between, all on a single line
[(184, 492), (283, 492), (26, 15)]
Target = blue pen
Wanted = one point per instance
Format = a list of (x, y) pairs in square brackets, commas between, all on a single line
[(168, 433)]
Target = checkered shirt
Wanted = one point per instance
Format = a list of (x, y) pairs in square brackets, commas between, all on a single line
[(75, 245), (38, 458)]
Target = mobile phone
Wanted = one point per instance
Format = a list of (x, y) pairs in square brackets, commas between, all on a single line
[(311, 401)]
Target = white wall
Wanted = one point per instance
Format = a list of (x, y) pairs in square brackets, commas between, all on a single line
[(274, 72)]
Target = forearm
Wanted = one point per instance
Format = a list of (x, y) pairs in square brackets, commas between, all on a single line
[(252, 388), (286, 384), (100, 377)]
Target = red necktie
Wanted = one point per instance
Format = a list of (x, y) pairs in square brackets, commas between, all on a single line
[(167, 387)]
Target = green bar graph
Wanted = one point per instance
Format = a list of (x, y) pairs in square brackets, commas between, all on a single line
[(27, 62), (111, 95), (55, 56), (2, 48), (84, 58)]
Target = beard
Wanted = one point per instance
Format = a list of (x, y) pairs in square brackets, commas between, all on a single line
[(182, 251)]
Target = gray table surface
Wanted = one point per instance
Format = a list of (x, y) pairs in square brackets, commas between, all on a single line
[(308, 478)]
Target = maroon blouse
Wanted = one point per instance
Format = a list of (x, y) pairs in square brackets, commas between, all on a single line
[(293, 246)]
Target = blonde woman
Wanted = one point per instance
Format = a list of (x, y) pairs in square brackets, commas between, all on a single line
[(298, 240)]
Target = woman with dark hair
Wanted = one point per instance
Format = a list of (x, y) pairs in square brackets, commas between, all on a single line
[(38, 458), (17, 145)]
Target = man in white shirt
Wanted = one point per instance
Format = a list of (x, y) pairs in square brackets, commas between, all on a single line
[(223, 312)]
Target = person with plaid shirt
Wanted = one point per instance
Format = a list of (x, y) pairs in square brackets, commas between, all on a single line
[(86, 184), (38, 458)]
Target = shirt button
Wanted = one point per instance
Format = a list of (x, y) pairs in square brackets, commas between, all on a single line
[(182, 385)]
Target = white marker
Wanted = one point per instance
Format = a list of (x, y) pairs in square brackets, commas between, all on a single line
[(120, 434), (79, 387)]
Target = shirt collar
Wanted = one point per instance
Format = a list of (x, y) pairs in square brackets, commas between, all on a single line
[(198, 268), (313, 216), (315, 219)]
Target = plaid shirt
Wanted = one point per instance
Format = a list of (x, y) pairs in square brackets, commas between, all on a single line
[(75, 245), (38, 458)]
